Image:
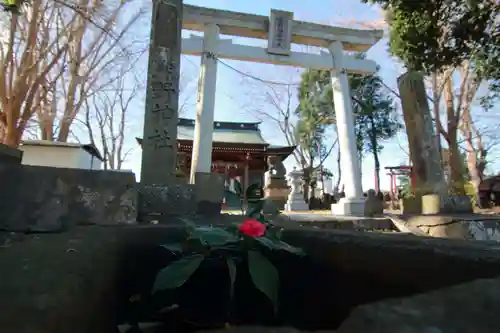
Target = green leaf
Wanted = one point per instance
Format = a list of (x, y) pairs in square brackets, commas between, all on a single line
[(276, 244), (264, 276), (231, 266), (213, 236), (177, 273), (175, 247)]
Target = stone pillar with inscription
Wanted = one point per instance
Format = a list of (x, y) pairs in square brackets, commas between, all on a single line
[(353, 203), (159, 147), (161, 196), (424, 151)]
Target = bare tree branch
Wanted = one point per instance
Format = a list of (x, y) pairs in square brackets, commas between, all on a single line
[(55, 58)]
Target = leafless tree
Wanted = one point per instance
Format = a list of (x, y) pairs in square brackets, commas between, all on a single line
[(106, 119), (454, 93), (275, 103), (54, 58)]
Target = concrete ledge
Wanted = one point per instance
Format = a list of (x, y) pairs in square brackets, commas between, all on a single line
[(80, 280), (419, 263), (46, 199)]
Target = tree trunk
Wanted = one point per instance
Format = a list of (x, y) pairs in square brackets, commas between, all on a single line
[(436, 96), (455, 164), (374, 144), (12, 137), (455, 159), (472, 165), (475, 165), (339, 172), (306, 182)]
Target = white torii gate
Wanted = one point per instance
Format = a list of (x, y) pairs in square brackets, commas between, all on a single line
[(281, 31)]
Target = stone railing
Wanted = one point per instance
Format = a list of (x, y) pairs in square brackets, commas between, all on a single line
[(42, 199)]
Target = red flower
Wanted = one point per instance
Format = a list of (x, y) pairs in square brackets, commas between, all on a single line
[(252, 228)]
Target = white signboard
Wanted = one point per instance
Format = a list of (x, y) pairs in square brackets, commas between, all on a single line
[(279, 39)]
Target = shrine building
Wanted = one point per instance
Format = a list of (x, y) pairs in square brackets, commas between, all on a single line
[(239, 151)]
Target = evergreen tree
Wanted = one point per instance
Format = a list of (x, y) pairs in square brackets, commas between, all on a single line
[(373, 107), (375, 118), (314, 114)]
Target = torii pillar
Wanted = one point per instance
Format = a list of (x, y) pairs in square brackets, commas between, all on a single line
[(353, 202), (201, 160)]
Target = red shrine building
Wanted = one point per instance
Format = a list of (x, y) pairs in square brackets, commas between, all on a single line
[(238, 151)]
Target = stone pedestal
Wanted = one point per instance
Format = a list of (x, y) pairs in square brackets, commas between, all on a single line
[(276, 189), (373, 204), (349, 207), (296, 197), (275, 198), (209, 190), (431, 204), (296, 203)]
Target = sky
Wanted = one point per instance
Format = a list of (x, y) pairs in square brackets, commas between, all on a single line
[(238, 95)]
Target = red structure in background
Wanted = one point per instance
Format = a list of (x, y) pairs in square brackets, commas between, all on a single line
[(238, 149), (401, 170)]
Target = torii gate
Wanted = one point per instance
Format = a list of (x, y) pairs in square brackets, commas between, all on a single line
[(281, 31)]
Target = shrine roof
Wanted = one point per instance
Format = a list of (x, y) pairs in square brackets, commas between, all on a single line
[(224, 132), (230, 136)]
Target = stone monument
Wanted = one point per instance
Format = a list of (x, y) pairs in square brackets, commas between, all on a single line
[(276, 189), (160, 194), (373, 204), (424, 151), (296, 197), (159, 147)]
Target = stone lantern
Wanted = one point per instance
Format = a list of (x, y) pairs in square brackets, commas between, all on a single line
[(295, 200)]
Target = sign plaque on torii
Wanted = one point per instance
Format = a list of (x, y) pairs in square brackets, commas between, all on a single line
[(281, 31)]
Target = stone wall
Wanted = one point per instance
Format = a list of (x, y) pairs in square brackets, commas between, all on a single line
[(46, 199)]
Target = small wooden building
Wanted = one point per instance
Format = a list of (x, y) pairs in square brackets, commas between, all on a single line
[(239, 151)]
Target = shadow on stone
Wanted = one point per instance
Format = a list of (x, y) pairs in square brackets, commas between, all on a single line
[(84, 280), (10, 156), (209, 189)]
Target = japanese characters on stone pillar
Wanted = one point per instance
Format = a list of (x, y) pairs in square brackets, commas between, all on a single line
[(159, 147)]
